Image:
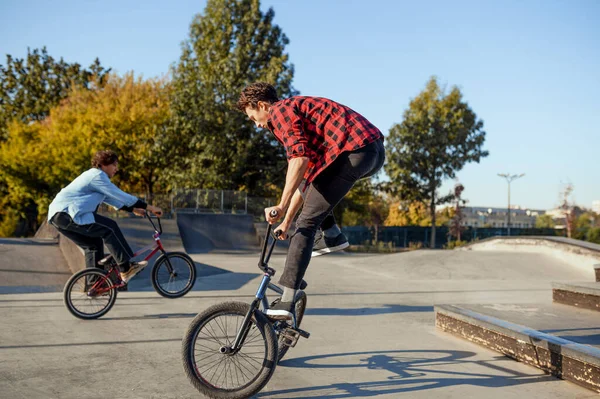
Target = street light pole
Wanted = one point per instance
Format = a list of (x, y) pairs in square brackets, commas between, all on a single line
[(509, 178)]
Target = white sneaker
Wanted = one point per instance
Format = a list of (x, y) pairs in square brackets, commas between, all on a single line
[(134, 268), (325, 245)]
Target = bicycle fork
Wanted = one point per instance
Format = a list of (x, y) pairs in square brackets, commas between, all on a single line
[(291, 334), (245, 327)]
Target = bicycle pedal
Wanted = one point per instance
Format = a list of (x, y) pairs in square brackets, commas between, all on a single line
[(290, 337), (303, 334)]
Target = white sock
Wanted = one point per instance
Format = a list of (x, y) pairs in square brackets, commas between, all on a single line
[(288, 295), (332, 232)]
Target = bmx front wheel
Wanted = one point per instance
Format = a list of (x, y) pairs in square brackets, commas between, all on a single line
[(210, 364), (173, 274)]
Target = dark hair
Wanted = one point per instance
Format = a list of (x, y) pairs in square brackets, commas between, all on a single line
[(103, 158), (252, 94)]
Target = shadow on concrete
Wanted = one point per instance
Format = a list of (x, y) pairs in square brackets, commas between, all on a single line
[(310, 294), (590, 339), (29, 289), (147, 341), (385, 309), (409, 371), (34, 271), (154, 316), (28, 241)]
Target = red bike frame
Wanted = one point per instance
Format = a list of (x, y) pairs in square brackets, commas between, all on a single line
[(97, 289)]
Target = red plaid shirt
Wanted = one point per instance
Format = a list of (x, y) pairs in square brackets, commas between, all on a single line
[(319, 129)]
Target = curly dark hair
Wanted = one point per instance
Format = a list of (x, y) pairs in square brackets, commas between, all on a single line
[(104, 157), (252, 94)]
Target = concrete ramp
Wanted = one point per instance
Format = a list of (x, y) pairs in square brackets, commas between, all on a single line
[(202, 233), (579, 254), (31, 265), (138, 232)]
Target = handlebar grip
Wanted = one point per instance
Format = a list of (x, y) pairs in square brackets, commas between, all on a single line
[(273, 213), (278, 233)]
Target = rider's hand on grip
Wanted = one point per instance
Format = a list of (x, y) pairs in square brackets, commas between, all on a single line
[(273, 214)]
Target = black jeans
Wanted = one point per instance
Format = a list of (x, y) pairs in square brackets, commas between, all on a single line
[(92, 237), (325, 192), (329, 220)]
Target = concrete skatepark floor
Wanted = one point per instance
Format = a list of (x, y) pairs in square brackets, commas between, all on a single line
[(370, 317)]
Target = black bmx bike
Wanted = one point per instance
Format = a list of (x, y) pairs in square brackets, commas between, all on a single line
[(230, 350)]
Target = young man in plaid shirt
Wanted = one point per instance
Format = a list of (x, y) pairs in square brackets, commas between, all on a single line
[(329, 147)]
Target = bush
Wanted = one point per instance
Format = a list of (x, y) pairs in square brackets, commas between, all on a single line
[(370, 247), (593, 235), (455, 244), (10, 223), (415, 245)]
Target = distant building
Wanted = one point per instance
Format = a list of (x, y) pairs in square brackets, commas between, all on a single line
[(596, 206), (498, 217)]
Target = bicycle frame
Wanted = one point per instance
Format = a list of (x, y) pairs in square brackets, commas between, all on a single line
[(153, 248), (260, 297)]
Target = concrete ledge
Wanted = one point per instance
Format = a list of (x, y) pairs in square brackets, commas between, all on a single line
[(581, 295), (562, 358), (597, 271)]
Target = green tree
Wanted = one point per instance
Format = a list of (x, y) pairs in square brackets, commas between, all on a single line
[(583, 224), (230, 45), (544, 222), (438, 136), (30, 87), (594, 235), (363, 206)]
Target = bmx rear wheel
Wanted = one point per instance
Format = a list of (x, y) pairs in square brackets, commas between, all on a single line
[(89, 294)]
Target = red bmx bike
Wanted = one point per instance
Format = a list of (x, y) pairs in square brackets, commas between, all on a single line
[(91, 293)]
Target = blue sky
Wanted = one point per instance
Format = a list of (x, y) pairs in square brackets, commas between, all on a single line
[(529, 69)]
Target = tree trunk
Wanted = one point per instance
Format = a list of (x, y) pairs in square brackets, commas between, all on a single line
[(432, 210), (149, 189)]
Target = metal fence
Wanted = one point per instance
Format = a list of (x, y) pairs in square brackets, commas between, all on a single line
[(406, 236), (202, 201)]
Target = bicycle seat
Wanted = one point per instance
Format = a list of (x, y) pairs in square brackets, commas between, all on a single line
[(105, 260)]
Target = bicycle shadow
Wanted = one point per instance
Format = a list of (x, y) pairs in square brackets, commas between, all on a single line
[(367, 311), (408, 371), (208, 278)]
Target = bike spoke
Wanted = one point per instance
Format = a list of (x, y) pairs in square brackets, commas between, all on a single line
[(228, 371)]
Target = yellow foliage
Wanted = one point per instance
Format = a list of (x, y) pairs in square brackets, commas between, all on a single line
[(127, 115), (415, 214)]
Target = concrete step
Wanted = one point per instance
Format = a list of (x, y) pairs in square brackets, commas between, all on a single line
[(582, 295), (560, 340)]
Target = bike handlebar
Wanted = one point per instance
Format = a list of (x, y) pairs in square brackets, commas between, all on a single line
[(149, 217), (266, 254)]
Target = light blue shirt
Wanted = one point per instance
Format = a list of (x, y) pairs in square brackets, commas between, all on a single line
[(81, 197)]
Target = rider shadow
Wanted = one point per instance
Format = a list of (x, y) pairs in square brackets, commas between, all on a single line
[(367, 311), (407, 371), (220, 279)]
